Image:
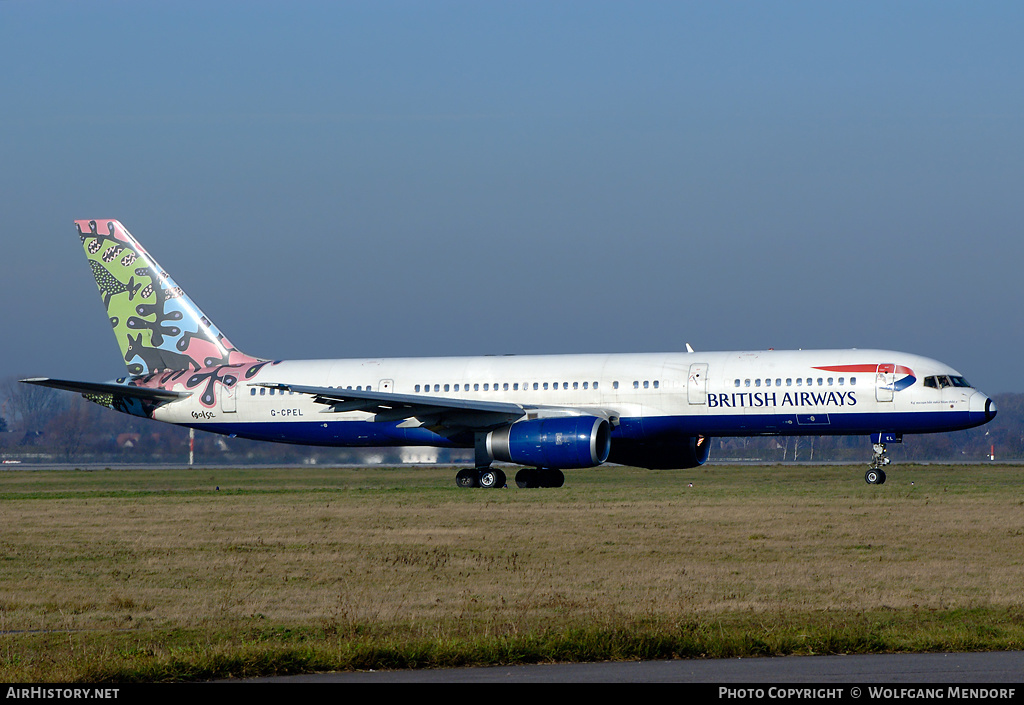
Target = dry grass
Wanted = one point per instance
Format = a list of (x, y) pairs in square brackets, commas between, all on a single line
[(352, 553)]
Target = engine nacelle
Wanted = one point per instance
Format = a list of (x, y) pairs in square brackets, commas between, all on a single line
[(663, 454), (556, 443)]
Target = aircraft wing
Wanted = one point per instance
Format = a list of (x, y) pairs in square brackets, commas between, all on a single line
[(105, 388), (441, 415)]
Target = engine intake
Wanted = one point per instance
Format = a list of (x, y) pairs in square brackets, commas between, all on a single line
[(556, 443)]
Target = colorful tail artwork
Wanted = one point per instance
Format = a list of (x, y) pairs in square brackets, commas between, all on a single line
[(157, 325)]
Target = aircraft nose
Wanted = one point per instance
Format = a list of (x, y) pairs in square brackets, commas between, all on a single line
[(982, 408)]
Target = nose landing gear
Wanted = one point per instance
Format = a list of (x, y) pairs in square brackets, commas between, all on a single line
[(875, 474)]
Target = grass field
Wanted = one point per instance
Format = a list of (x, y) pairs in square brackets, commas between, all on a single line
[(190, 574)]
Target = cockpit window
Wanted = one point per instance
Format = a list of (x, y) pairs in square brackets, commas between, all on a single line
[(943, 381)]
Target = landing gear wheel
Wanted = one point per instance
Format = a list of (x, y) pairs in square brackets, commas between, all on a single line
[(875, 477), (489, 478), (468, 477)]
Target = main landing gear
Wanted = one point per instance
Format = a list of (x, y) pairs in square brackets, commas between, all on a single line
[(489, 478), (483, 475)]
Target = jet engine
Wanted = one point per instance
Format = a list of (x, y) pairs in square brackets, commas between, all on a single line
[(556, 443)]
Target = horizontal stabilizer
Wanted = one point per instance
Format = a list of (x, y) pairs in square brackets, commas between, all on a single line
[(124, 390)]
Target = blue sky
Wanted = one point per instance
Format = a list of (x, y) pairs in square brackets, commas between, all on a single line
[(373, 179)]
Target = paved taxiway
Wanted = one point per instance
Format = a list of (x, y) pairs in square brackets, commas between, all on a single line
[(993, 667)]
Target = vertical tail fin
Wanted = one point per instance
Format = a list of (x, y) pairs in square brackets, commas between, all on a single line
[(156, 324)]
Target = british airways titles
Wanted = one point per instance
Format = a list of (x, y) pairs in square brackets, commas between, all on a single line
[(773, 399)]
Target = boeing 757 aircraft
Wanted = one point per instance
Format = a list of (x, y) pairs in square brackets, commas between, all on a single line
[(547, 413)]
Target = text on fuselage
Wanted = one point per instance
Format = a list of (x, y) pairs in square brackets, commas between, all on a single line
[(774, 399)]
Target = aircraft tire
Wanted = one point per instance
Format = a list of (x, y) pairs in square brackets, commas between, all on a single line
[(874, 477), (468, 477), (489, 478)]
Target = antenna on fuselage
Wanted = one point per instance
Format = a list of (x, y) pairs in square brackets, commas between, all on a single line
[(688, 348)]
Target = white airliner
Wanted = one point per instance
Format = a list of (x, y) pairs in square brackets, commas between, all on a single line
[(547, 413)]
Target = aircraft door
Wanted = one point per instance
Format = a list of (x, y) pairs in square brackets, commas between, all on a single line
[(227, 398), (697, 383), (386, 385), (885, 382)]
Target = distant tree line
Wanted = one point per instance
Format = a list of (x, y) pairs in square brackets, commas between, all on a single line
[(42, 424)]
